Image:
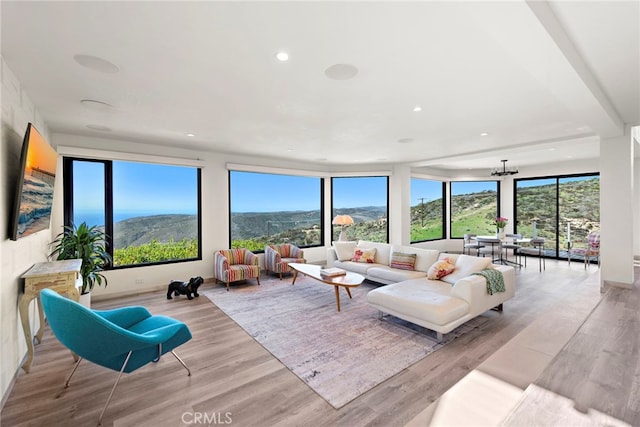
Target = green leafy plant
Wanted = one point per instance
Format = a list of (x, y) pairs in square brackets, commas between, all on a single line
[(85, 243)]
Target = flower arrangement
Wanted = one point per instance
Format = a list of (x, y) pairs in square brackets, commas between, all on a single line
[(501, 222)]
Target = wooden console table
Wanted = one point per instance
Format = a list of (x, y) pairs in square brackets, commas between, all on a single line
[(59, 276)]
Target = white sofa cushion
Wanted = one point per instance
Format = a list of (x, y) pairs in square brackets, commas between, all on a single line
[(388, 274), (356, 267), (465, 266), (344, 250), (429, 300), (383, 250)]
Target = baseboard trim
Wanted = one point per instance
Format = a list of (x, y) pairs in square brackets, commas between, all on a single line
[(12, 383), (621, 285)]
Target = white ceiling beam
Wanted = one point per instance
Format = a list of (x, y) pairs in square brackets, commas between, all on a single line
[(593, 106)]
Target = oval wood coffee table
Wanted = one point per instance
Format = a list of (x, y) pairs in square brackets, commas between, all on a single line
[(349, 280)]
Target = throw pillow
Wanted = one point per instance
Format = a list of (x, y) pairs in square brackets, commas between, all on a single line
[(344, 250), (364, 255), (440, 269), (403, 261)]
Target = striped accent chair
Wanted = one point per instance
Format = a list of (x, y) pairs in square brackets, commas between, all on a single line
[(231, 265), (278, 257)]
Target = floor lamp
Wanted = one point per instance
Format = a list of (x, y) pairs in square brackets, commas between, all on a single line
[(342, 220)]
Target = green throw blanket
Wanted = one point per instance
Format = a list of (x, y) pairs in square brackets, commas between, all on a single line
[(495, 280)]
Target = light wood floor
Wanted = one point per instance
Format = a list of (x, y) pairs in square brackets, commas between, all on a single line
[(233, 375)]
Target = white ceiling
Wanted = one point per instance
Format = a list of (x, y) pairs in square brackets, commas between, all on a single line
[(544, 79)]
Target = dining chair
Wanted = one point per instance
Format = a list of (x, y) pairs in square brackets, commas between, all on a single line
[(510, 243), (591, 249), (469, 242), (535, 248), (490, 246)]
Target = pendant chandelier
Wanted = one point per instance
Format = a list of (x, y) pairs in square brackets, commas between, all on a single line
[(504, 170)]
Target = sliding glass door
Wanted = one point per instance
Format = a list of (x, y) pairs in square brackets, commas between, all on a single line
[(559, 209), (579, 211)]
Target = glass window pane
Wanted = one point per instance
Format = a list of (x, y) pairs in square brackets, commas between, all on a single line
[(474, 207), (579, 215), (273, 209), (536, 202), (155, 213), (427, 214), (88, 193), (365, 200)]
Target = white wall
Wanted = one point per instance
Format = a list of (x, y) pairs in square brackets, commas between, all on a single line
[(15, 257)]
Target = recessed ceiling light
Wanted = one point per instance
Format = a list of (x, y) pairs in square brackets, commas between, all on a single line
[(96, 105), (405, 140), (341, 72), (552, 149), (191, 134), (96, 64), (484, 134), (282, 56), (417, 108), (99, 127)]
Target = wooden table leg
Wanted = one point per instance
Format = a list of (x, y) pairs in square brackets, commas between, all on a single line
[(41, 318), (337, 296), (26, 327), (295, 275), (348, 292)]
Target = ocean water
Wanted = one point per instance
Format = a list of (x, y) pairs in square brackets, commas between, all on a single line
[(97, 218)]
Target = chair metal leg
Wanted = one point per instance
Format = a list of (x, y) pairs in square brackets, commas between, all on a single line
[(181, 362), (66, 383), (157, 359), (124, 365)]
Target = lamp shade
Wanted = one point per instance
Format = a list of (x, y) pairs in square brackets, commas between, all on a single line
[(342, 220)]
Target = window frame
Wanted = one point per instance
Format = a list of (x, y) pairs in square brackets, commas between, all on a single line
[(283, 173), (498, 207), (444, 211), (68, 205), (333, 213), (557, 179)]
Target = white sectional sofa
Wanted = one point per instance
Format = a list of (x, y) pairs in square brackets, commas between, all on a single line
[(439, 305)]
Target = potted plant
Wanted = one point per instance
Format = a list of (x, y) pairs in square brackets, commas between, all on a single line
[(88, 244)]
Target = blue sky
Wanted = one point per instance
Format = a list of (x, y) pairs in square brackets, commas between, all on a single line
[(258, 192), (137, 187), (359, 191)]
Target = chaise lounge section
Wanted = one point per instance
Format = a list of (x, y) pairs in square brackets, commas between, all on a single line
[(440, 303)]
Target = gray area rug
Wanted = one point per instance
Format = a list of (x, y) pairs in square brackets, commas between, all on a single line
[(340, 355)]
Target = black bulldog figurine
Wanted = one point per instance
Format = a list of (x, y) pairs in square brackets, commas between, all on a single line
[(190, 289)]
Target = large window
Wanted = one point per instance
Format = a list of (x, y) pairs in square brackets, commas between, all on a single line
[(427, 210), (272, 209), (563, 208), (150, 212), (366, 200), (474, 207)]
